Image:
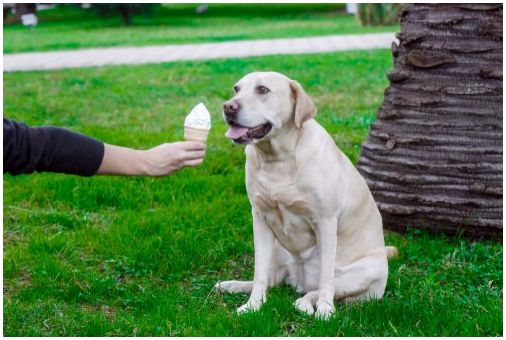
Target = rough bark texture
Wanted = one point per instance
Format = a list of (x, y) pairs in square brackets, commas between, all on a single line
[(433, 159)]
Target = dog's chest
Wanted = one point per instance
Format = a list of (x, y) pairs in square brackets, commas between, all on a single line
[(285, 209), (277, 191)]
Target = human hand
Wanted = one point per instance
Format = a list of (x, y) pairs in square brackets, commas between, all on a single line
[(168, 158)]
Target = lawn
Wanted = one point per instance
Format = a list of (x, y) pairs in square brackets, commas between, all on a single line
[(139, 256), (70, 27)]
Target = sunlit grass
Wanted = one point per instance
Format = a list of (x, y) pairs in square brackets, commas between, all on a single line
[(139, 256)]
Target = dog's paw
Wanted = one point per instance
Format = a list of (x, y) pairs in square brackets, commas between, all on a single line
[(324, 310), (304, 306), (222, 287), (250, 306), (226, 287), (233, 287)]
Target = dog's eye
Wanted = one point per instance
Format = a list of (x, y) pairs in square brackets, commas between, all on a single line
[(236, 88), (262, 89)]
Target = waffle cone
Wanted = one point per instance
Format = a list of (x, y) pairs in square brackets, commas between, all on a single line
[(195, 135)]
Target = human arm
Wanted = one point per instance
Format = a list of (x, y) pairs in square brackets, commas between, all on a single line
[(161, 160), (54, 149)]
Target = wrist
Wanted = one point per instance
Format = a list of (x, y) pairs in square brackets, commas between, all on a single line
[(145, 163)]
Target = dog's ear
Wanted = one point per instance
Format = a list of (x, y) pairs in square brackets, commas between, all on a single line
[(304, 108)]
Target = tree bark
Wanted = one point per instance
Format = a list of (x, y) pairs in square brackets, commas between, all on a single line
[(433, 158)]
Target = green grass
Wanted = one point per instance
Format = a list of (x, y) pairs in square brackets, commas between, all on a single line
[(71, 27), (139, 256)]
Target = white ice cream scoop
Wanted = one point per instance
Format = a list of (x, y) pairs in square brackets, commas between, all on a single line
[(197, 124), (198, 118)]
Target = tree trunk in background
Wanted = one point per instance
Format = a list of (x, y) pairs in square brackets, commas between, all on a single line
[(20, 9), (433, 159), (378, 14), (125, 14), (125, 10)]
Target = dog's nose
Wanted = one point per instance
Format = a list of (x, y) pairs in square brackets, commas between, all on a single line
[(231, 108)]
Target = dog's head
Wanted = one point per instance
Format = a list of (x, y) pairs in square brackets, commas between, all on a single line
[(265, 103)]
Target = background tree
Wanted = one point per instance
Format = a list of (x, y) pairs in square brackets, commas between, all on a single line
[(125, 10), (18, 10), (433, 159), (378, 14)]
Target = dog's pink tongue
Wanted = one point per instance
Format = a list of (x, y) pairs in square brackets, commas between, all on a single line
[(236, 132)]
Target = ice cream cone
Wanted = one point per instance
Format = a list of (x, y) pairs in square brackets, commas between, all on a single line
[(195, 135), (197, 124)]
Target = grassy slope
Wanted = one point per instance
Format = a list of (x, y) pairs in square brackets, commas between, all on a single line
[(71, 27), (139, 256)]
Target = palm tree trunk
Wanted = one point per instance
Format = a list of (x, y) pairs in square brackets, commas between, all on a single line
[(433, 159)]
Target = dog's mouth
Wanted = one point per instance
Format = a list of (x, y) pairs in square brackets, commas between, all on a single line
[(244, 135)]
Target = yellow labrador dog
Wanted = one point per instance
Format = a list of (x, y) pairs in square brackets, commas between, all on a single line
[(315, 223)]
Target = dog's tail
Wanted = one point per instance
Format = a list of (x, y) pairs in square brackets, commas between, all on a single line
[(392, 252)]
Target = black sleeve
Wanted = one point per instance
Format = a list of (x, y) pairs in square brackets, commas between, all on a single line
[(29, 149)]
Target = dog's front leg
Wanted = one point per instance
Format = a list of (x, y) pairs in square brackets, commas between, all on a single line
[(327, 243), (264, 243)]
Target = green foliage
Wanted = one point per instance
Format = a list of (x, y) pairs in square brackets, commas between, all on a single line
[(139, 256), (378, 14), (69, 27)]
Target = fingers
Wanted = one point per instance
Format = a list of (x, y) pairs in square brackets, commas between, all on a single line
[(194, 155), (194, 162), (193, 146), (194, 158)]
